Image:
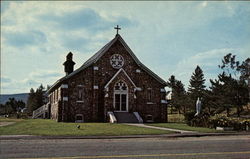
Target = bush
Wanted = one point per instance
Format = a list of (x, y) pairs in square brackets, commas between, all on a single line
[(224, 121), (200, 120), (188, 116), (205, 120)]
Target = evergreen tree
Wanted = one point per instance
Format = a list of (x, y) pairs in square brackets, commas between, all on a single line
[(40, 98), (2, 109), (36, 98), (230, 90), (171, 82), (178, 94), (13, 106), (20, 104), (230, 65), (221, 94), (244, 68), (11, 103), (197, 86), (31, 102)]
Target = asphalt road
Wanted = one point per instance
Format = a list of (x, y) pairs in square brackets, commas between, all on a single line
[(237, 147)]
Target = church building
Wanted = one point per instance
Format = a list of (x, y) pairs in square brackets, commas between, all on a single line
[(111, 86)]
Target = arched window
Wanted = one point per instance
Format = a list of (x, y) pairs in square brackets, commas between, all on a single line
[(120, 86), (121, 96)]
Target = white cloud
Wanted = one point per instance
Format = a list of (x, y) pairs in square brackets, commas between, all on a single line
[(204, 4), (33, 80), (149, 28), (208, 61)]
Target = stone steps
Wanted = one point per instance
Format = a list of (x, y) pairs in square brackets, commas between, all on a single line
[(125, 117)]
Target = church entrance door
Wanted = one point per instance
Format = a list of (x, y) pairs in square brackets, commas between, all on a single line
[(121, 97)]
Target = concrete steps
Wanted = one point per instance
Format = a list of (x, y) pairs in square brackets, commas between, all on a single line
[(125, 117)]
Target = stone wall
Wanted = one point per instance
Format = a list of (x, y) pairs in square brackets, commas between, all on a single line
[(94, 105)]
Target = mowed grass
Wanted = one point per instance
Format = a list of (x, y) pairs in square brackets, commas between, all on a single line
[(10, 120), (51, 127), (183, 126)]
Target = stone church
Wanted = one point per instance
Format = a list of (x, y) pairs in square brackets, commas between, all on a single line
[(111, 86)]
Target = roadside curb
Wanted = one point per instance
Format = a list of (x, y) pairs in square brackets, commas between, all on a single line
[(176, 135)]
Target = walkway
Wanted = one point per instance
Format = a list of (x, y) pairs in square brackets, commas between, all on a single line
[(5, 123), (161, 128)]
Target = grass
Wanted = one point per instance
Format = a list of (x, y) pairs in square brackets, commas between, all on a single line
[(51, 127), (10, 120), (182, 126)]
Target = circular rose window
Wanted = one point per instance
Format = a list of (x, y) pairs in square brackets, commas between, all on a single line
[(116, 61)]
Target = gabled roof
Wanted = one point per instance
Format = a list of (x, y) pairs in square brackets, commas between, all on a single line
[(117, 73), (100, 53)]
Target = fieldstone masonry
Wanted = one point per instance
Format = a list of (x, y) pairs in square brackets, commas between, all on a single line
[(89, 90)]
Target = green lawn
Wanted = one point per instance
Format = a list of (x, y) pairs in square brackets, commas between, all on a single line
[(51, 127), (10, 120), (182, 126)]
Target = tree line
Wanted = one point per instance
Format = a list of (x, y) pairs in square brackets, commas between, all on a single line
[(36, 99), (230, 90), (12, 106)]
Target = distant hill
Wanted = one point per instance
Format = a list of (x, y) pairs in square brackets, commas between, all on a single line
[(22, 96)]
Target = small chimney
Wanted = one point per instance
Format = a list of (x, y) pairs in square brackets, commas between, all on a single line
[(69, 64)]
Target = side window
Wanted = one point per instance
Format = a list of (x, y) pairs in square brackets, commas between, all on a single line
[(56, 95), (54, 100), (50, 100), (149, 94), (80, 95), (79, 118), (149, 118)]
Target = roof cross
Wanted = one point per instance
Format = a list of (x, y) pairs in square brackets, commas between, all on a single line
[(117, 29)]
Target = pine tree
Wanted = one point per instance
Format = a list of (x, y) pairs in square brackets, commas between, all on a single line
[(231, 90), (36, 99), (12, 103), (244, 68), (222, 93), (197, 84), (40, 98), (178, 94), (31, 102)]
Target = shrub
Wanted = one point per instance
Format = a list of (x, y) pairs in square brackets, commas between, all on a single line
[(188, 116), (201, 120), (224, 121), (218, 120)]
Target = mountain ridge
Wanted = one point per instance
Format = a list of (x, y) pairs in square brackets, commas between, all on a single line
[(19, 96)]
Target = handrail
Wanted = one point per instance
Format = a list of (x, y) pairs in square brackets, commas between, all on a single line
[(40, 110), (112, 118), (138, 117)]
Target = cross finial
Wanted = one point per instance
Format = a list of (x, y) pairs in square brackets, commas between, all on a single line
[(117, 29)]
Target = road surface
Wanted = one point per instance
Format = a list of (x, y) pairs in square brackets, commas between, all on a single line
[(229, 147)]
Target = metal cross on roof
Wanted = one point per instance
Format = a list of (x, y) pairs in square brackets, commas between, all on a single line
[(117, 28)]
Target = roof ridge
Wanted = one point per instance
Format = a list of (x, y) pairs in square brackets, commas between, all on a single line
[(99, 54)]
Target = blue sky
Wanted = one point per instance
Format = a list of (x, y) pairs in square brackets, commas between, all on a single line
[(168, 37)]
